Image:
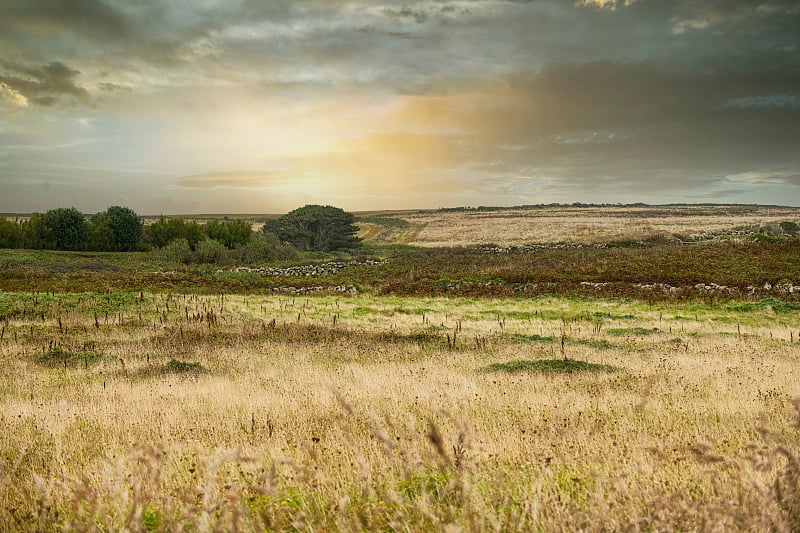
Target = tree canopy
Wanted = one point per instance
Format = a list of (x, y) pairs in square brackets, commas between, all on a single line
[(10, 233), (68, 228), (231, 233), (115, 229), (316, 227), (164, 230), (126, 226)]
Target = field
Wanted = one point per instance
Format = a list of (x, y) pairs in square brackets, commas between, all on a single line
[(514, 227), (575, 388)]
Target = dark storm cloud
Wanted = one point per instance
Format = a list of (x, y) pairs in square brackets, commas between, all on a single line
[(731, 16), (44, 85), (648, 126), (47, 17)]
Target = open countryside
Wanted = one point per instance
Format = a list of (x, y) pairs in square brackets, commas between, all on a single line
[(404, 266), (526, 384)]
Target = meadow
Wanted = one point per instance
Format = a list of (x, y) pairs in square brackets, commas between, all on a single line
[(456, 390), (555, 224)]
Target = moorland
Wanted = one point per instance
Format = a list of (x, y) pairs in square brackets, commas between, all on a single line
[(539, 368)]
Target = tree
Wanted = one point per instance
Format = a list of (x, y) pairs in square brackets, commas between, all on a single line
[(10, 233), (126, 226), (165, 230), (68, 228), (35, 233), (317, 228), (101, 234), (231, 233)]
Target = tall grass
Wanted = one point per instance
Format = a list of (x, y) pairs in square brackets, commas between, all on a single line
[(256, 413)]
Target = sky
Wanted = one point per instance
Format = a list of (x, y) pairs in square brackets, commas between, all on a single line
[(246, 106)]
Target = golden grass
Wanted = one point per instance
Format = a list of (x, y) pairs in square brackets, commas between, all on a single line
[(384, 421), (582, 225)]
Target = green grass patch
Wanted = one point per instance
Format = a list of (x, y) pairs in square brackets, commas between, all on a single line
[(175, 366), (549, 366), (777, 306), (531, 338), (632, 331), (58, 357), (387, 222), (612, 316), (598, 344)]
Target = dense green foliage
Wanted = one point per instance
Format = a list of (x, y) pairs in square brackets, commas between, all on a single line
[(165, 230), (316, 228), (231, 233), (10, 233), (68, 229), (126, 226), (117, 229)]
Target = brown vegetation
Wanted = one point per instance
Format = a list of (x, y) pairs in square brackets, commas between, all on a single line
[(161, 412)]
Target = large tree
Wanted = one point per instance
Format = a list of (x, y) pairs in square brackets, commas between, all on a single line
[(115, 229), (316, 227), (67, 228), (126, 226)]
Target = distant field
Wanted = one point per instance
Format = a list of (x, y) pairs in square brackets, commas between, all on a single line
[(568, 224)]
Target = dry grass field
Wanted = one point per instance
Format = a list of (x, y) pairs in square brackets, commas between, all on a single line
[(586, 225), (159, 412)]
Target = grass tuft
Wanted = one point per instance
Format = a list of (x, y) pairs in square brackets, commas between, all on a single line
[(549, 366), (638, 331), (175, 366), (58, 357)]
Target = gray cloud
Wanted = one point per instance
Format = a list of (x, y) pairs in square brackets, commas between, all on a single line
[(642, 96), (112, 87), (406, 13), (44, 18), (44, 85)]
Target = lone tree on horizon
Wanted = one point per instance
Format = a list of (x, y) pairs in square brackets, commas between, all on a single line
[(320, 228)]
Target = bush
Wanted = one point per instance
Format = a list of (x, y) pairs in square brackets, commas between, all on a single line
[(10, 233), (256, 250), (166, 230), (231, 233), (789, 228), (211, 251), (279, 250), (35, 234), (177, 251), (101, 235)]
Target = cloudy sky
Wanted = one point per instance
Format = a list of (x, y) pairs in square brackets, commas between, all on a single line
[(247, 106)]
